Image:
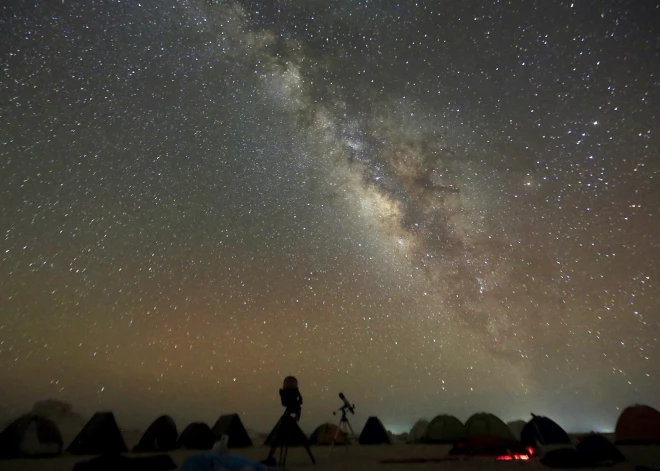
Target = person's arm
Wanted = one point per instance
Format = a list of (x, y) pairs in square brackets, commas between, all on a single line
[(300, 397)]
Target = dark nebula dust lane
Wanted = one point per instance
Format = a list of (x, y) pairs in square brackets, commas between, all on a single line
[(430, 207)]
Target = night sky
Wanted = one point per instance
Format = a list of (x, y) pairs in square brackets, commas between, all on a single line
[(432, 207)]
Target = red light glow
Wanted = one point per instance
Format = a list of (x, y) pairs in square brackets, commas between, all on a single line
[(512, 457)]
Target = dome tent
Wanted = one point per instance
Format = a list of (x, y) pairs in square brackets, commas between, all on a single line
[(543, 431), (487, 425), (445, 429), (196, 436), (30, 436), (160, 436), (487, 435), (593, 451), (68, 422), (638, 425), (418, 431), (325, 434), (600, 449)]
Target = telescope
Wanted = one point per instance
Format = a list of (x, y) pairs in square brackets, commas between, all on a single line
[(344, 425), (347, 405)]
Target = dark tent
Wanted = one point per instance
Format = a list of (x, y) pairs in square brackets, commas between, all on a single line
[(444, 429), (99, 436), (160, 436), (567, 458), (600, 449), (30, 436), (286, 433), (325, 434), (593, 451), (487, 425), (418, 431), (543, 431), (374, 433), (232, 426), (124, 463), (196, 436), (638, 425)]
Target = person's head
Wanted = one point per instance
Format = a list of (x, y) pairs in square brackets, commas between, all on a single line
[(290, 382)]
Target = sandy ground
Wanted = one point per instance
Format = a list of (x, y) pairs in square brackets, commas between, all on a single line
[(365, 458)]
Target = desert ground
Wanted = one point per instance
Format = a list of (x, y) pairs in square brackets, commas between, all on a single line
[(367, 458)]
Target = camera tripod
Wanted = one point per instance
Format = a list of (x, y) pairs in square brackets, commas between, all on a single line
[(285, 434), (344, 427)]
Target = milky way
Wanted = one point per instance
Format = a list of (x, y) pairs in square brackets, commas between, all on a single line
[(434, 208)]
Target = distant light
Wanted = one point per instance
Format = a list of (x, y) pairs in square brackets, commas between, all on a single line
[(397, 429)]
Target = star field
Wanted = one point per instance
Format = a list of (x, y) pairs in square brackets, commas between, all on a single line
[(433, 207)]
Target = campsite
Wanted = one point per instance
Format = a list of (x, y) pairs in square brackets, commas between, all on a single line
[(219, 216), (483, 441)]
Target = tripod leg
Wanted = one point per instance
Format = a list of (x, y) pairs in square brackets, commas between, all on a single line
[(348, 424), (283, 453), (334, 439), (309, 452), (347, 437), (273, 445)]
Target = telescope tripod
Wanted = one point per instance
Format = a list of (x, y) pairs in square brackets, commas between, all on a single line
[(285, 434), (344, 427)]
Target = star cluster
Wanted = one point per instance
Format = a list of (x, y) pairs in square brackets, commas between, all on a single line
[(430, 206)]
